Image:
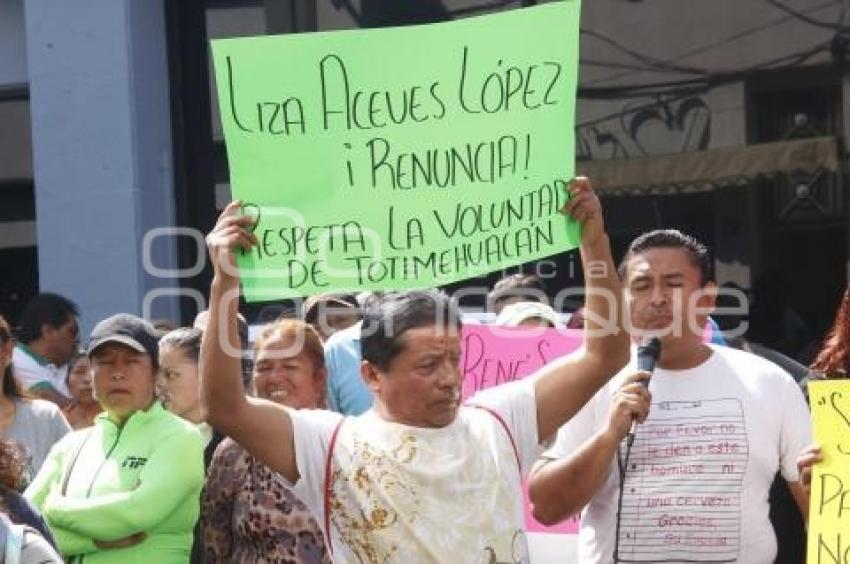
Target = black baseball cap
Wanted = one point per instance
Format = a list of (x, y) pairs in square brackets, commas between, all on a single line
[(128, 330)]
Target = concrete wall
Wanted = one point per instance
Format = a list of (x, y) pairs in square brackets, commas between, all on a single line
[(102, 152)]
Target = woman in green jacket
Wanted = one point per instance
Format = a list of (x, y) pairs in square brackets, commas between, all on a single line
[(126, 490)]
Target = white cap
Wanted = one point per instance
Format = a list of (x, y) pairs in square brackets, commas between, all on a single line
[(514, 314)]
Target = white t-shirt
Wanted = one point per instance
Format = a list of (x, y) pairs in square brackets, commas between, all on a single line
[(409, 494), (37, 426), (700, 470), (32, 370)]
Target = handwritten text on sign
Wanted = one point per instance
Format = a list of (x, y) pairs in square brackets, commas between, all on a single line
[(494, 355), (829, 512), (401, 157), (682, 491)]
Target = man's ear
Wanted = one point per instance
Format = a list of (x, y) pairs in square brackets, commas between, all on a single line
[(708, 299), (369, 372), (703, 303), (47, 331)]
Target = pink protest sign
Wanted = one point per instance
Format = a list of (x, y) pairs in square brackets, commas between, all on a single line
[(494, 355)]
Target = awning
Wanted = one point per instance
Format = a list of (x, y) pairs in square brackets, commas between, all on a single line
[(705, 170)]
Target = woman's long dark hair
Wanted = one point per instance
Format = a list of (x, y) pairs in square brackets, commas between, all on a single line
[(11, 386), (834, 355)]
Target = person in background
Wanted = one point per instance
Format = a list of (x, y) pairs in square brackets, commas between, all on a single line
[(514, 288), (331, 313), (249, 513), (83, 408), (12, 503), (831, 362), (163, 326), (528, 314), (21, 544), (243, 333), (178, 388), (347, 393), (35, 425), (833, 358), (48, 337), (126, 489)]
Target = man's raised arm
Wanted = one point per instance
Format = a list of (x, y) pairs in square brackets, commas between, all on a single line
[(564, 386), (262, 427)]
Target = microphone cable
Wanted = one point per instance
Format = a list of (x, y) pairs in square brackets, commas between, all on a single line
[(647, 356)]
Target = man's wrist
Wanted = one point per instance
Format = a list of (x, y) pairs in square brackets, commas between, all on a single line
[(600, 243), (222, 283), (608, 437)]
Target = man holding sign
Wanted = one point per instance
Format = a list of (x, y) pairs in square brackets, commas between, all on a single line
[(418, 478)]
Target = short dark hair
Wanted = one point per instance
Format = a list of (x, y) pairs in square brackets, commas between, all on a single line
[(187, 339), (670, 239), (44, 308), (518, 285), (385, 320), (319, 303)]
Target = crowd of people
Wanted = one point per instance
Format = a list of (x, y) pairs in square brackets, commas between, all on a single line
[(340, 434)]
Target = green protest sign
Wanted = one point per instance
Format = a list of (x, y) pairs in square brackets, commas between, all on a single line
[(401, 158)]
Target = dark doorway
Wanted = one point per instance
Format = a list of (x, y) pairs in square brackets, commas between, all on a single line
[(803, 277)]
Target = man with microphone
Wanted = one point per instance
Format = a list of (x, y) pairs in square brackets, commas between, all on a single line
[(673, 461)]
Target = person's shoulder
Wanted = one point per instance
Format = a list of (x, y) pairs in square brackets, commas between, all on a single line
[(40, 408), (497, 395), (317, 417), (73, 439), (751, 366), (228, 453), (23, 360), (37, 549), (345, 337), (172, 425), (227, 447), (19, 508), (20, 357)]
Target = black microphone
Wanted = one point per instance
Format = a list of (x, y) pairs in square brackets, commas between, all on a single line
[(647, 356)]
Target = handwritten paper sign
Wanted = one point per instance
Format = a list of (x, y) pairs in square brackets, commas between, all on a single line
[(829, 510), (494, 355), (682, 491), (401, 158)]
